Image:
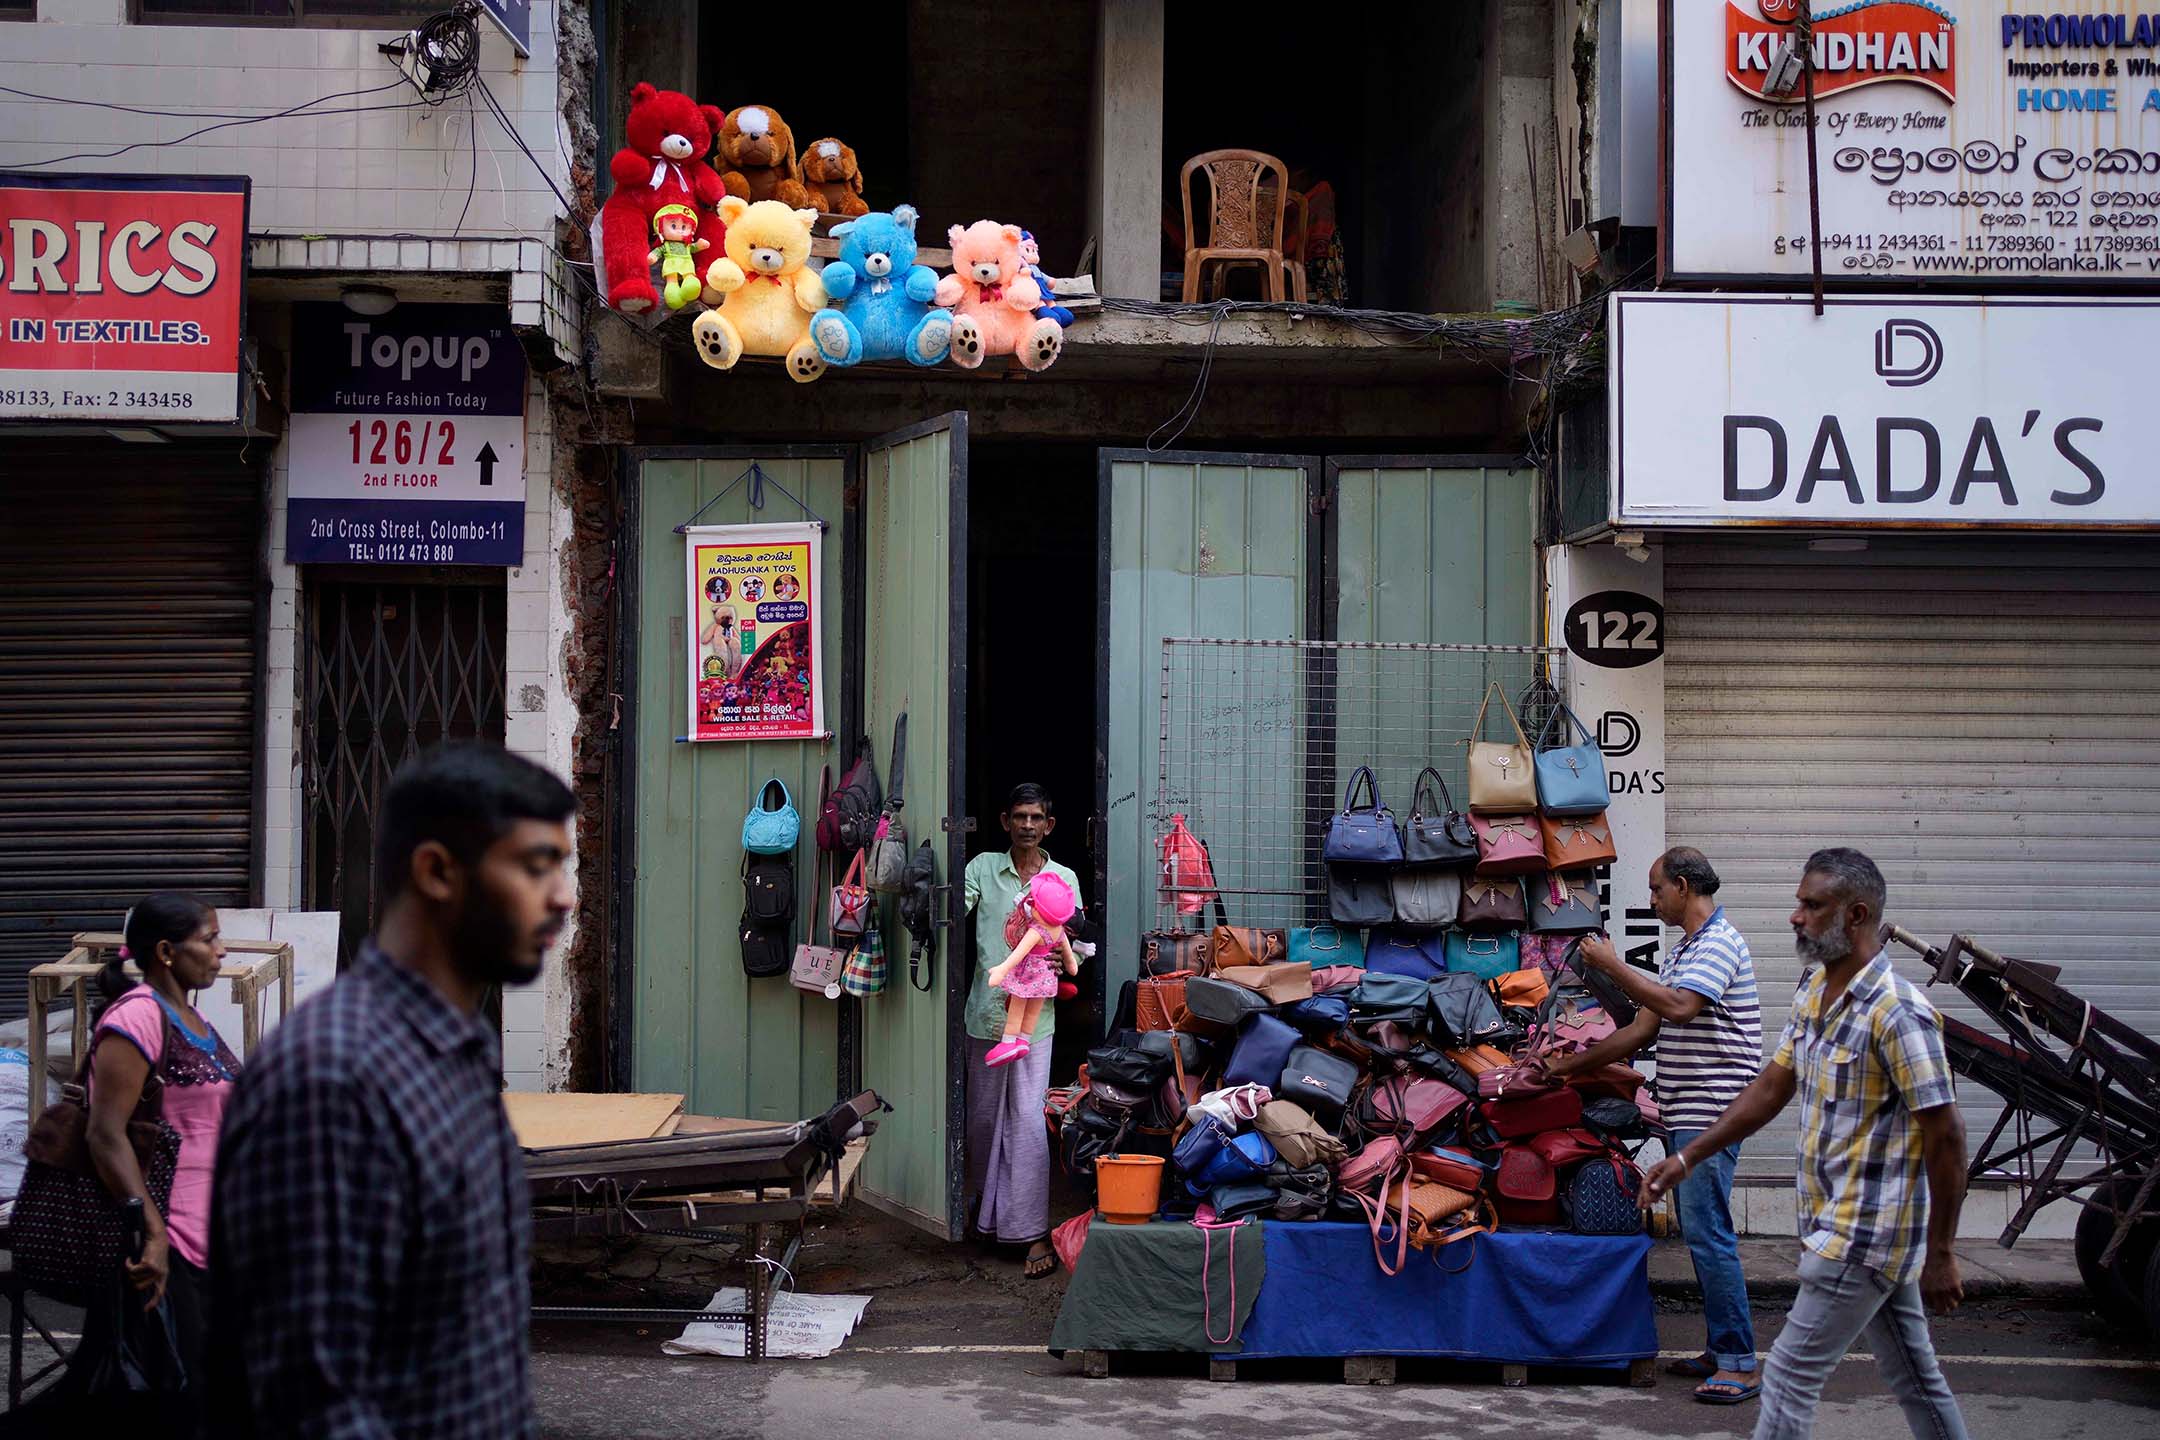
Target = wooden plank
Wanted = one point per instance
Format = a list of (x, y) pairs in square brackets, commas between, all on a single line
[(113, 940), (40, 991), (541, 1120), (823, 1198)]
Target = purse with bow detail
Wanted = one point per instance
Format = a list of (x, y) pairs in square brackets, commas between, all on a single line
[(1501, 778), (1576, 842)]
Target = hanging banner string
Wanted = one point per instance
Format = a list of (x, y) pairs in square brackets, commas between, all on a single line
[(758, 481)]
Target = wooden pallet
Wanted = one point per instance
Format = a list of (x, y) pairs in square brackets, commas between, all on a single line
[(1381, 1369)]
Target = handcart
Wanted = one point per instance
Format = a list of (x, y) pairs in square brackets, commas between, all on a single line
[(2081, 1113), (751, 1188)]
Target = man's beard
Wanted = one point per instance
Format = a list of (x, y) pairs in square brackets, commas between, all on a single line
[(1833, 945), (486, 946)]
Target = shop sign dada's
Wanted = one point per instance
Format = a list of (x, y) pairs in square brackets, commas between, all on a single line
[(407, 437), (1969, 141), (120, 296), (1910, 412)]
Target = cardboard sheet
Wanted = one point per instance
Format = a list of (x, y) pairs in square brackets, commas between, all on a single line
[(565, 1119)]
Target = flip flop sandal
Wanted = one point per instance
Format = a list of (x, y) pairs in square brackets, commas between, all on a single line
[(1727, 1392), (1038, 1266), (1695, 1367)]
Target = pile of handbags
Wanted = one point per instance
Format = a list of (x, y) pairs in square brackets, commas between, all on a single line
[(1419, 1106), (1492, 890)]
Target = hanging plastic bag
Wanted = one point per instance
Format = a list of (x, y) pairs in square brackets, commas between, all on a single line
[(1186, 869)]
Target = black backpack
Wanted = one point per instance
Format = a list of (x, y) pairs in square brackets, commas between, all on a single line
[(918, 893), (765, 949), (848, 818), (769, 889)]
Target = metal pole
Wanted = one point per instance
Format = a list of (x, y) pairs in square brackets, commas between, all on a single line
[(1805, 30)]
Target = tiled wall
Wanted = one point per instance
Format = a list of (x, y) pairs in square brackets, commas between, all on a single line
[(402, 167)]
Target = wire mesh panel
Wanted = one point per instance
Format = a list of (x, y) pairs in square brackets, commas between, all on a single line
[(1260, 739)]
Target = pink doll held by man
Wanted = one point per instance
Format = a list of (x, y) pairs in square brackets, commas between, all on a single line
[(1040, 950)]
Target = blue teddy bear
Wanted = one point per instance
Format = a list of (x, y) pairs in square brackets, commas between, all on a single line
[(881, 298)]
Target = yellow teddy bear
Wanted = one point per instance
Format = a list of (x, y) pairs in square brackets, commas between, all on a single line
[(767, 295)]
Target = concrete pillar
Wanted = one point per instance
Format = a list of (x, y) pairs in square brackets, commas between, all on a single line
[(1125, 149), (654, 43), (1518, 92)]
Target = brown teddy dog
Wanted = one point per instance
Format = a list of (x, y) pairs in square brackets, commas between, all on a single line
[(831, 176), (757, 157)]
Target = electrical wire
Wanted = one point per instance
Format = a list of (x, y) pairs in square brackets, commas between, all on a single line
[(302, 111), (502, 118), (472, 148), (182, 114)]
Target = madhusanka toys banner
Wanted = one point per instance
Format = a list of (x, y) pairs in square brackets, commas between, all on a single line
[(756, 672), (121, 296), (1974, 141)]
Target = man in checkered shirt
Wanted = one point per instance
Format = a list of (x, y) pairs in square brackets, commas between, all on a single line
[(371, 1223), (1880, 1139)]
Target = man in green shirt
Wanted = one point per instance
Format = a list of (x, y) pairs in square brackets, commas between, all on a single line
[(1008, 1147)]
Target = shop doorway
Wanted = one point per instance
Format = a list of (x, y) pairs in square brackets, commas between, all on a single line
[(389, 668), (1034, 636)]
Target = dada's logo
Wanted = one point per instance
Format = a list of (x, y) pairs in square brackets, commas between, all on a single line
[(1874, 42), (1907, 352)]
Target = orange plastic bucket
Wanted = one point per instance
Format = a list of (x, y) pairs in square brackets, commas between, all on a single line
[(1128, 1187)]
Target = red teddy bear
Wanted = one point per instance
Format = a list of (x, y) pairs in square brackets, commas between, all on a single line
[(664, 164)]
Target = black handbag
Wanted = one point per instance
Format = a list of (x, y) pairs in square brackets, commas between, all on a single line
[(1400, 998), (1167, 952), (1190, 1048), (1440, 835), (1236, 1202), (1221, 1002), (1128, 1067), (766, 950), (1463, 1013), (1563, 904), (1360, 895), (1603, 988), (1300, 1194), (918, 899), (69, 1233), (1620, 1119), (1320, 1082)]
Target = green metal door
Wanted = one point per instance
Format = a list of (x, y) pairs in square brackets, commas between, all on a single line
[(914, 526), (758, 1049), (1201, 545)]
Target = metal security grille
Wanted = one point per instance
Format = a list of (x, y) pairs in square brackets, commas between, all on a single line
[(390, 669), (1259, 739), (131, 602)]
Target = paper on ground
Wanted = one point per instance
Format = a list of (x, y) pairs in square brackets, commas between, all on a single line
[(800, 1327)]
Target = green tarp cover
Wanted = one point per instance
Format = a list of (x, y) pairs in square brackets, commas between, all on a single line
[(1138, 1287)]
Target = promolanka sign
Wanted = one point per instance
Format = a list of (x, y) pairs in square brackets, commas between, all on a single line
[(407, 440), (121, 297), (1979, 142), (1910, 412)]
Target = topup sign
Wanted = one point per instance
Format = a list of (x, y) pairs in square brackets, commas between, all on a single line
[(1972, 141), (121, 296)]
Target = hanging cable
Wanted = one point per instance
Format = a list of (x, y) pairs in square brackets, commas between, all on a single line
[(1804, 31)]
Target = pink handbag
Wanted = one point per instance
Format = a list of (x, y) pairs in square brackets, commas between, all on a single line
[(848, 907), (1508, 844), (1335, 977)]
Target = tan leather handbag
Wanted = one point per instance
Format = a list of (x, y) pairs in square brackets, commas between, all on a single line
[(1577, 842), (1502, 779), (1283, 984), (1235, 945)]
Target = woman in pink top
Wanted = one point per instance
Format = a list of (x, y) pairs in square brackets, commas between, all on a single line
[(149, 1029)]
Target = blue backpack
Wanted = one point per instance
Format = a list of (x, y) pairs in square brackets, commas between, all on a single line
[(771, 829)]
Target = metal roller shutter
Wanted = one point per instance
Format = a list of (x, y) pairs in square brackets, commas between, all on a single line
[(130, 605), (1981, 717)]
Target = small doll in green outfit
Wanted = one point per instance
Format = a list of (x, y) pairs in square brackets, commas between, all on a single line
[(677, 227)]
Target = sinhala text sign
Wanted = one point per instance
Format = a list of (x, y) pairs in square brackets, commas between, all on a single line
[(121, 295), (755, 602), (407, 440), (1976, 141), (1909, 412)]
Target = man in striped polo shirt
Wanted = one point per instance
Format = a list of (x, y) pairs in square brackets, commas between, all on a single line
[(1880, 1139), (1705, 1016)]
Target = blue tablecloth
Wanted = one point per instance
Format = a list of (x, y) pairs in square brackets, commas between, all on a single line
[(1516, 1297)]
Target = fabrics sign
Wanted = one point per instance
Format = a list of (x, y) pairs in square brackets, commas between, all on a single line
[(1908, 412), (407, 439), (120, 296), (1968, 141), (754, 663)]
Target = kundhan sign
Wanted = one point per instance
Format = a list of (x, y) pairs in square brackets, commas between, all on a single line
[(121, 296), (1971, 141), (1908, 413)]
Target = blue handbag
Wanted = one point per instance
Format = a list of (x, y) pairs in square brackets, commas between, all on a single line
[(1321, 1015), (1198, 1146), (1486, 956), (1242, 1159), (1406, 952), (1262, 1049), (1570, 778), (771, 829), (1328, 945), (1362, 834)]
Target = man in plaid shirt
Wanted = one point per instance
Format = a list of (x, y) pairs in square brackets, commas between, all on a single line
[(371, 1222), (1880, 1139)]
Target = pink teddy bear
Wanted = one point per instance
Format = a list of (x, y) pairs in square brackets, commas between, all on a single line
[(994, 300)]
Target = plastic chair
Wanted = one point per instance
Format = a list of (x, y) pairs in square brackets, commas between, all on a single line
[(1294, 245), (1244, 220)]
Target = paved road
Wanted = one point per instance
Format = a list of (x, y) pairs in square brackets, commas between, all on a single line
[(2021, 1373)]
